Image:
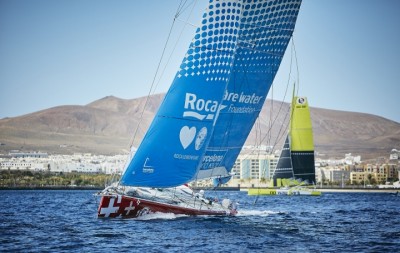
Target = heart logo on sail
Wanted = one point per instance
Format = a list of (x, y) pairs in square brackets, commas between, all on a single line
[(187, 135)]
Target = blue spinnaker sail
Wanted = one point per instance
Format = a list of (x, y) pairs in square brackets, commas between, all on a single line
[(216, 95), (174, 145), (265, 31)]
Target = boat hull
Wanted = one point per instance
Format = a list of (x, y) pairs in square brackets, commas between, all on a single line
[(272, 191), (122, 206)]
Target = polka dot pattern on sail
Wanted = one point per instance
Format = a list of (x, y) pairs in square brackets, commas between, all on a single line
[(244, 36)]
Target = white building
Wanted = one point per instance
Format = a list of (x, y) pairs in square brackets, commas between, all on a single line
[(22, 164), (254, 165), (82, 163), (394, 155)]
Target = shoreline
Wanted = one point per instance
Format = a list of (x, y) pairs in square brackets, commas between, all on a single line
[(344, 190), (360, 190), (5, 188), (245, 189)]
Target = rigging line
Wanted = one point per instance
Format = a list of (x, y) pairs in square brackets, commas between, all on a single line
[(247, 83), (279, 135), (269, 132), (281, 105), (180, 7), (297, 65), (270, 122), (259, 131), (176, 43), (297, 68), (255, 37), (269, 137), (178, 12), (280, 132), (152, 83), (186, 22), (183, 8)]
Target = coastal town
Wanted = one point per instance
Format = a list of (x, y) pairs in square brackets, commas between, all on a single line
[(253, 168)]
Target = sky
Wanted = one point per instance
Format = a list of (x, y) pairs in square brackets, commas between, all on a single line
[(72, 52)]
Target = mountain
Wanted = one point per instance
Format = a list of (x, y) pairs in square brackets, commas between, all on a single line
[(106, 126)]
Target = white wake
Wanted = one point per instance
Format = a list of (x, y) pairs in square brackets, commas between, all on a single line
[(160, 216), (257, 212)]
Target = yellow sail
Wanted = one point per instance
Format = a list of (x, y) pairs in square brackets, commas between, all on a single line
[(300, 126)]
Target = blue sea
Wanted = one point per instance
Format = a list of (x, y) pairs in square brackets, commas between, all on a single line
[(66, 221)]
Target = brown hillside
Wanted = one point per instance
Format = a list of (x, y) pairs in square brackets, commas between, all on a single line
[(106, 126)]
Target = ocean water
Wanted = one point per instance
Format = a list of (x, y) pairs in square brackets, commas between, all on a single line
[(65, 221)]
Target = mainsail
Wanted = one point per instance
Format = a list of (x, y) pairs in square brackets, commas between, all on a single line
[(216, 95)]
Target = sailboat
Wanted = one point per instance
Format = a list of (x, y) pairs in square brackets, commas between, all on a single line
[(208, 111), (295, 170)]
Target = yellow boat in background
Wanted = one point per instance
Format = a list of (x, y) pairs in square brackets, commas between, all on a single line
[(295, 171)]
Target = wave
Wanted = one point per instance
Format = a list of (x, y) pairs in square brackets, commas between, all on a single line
[(171, 216), (257, 212)]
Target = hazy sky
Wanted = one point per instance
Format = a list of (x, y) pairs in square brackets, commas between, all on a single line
[(72, 52)]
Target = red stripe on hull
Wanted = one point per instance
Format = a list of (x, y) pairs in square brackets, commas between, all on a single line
[(129, 207)]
